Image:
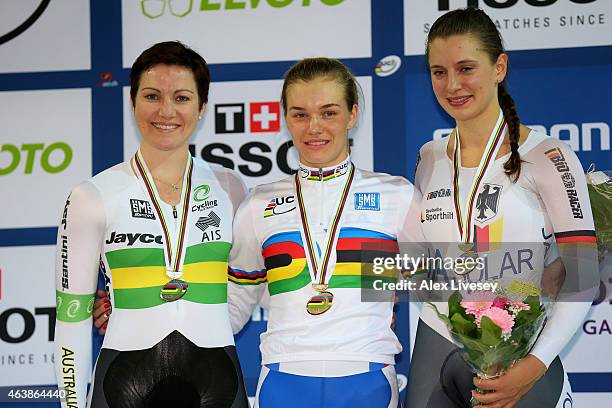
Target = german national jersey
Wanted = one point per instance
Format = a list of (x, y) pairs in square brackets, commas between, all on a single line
[(268, 260), (109, 223), (549, 202)]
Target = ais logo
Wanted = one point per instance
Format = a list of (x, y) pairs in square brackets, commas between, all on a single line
[(444, 5), (263, 117), (180, 8)]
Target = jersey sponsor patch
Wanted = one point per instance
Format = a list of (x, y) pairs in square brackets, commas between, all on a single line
[(141, 209), (279, 205), (440, 193), (436, 214), (557, 158), (367, 201), (211, 220), (201, 193)]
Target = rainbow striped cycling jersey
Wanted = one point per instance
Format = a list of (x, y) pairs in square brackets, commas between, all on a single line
[(269, 262)]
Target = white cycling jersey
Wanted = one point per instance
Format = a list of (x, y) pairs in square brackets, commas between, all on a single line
[(268, 259), (109, 222), (549, 199)]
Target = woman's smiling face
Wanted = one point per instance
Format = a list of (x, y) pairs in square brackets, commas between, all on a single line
[(166, 106), (318, 119)]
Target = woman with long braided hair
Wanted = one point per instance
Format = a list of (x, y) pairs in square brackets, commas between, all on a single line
[(514, 185)]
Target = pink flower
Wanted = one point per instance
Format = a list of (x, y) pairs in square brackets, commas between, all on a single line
[(501, 318), (476, 308), (477, 302), (519, 306), (500, 302)]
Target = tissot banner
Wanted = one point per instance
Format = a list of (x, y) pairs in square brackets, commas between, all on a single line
[(524, 24)]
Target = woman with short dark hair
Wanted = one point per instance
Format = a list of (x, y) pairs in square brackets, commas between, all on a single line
[(169, 340)]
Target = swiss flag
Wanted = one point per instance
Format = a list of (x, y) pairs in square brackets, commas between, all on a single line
[(265, 116)]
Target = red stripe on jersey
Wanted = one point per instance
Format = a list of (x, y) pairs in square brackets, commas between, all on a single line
[(291, 248), (368, 244)]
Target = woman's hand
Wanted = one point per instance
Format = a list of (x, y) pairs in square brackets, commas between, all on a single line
[(508, 389), (102, 310)]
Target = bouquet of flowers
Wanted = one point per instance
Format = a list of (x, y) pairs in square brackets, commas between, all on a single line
[(599, 184), (493, 330)]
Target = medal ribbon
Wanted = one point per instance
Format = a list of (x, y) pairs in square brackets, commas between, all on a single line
[(319, 274), (464, 225), (176, 266)]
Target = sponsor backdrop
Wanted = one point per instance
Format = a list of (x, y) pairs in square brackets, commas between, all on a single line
[(64, 69)]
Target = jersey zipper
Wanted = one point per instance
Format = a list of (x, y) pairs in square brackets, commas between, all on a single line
[(321, 196)]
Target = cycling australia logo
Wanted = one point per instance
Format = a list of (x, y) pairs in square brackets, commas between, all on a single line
[(27, 23)]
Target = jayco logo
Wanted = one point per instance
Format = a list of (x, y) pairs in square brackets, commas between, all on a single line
[(444, 5), (180, 8)]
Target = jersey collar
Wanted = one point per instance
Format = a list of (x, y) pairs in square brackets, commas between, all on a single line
[(315, 174)]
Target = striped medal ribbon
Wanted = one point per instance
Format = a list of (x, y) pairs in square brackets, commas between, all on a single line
[(464, 218), (175, 288), (322, 301)]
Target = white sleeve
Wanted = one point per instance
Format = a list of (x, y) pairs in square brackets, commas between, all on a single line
[(559, 329), (559, 176), (79, 242), (410, 221), (247, 273)]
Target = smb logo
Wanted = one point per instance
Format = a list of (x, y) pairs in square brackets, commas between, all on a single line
[(367, 201), (141, 209), (262, 117)]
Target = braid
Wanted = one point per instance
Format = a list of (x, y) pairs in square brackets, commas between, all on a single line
[(512, 167)]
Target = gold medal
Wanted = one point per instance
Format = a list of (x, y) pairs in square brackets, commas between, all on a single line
[(469, 257), (173, 290), (320, 303)]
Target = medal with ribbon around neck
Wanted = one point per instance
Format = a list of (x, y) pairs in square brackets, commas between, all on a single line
[(322, 301), (175, 288), (464, 219)]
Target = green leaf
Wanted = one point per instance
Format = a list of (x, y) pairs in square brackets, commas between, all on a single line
[(491, 333), (534, 303), (463, 326), (454, 304), (442, 316)]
